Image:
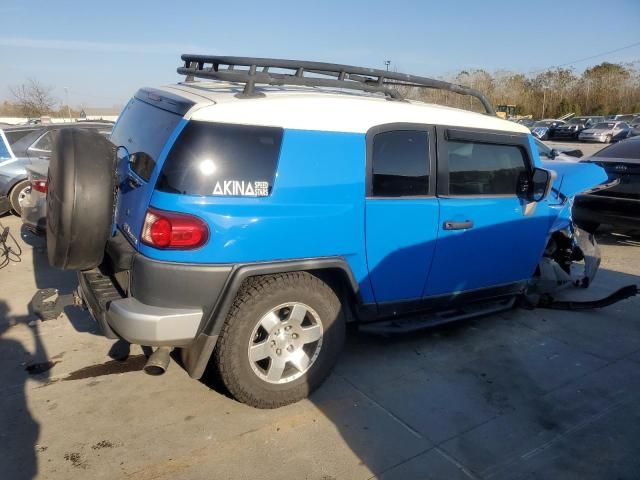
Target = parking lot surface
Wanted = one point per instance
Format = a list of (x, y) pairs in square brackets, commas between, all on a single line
[(522, 394)]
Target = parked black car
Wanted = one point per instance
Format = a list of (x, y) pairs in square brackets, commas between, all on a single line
[(619, 205), (573, 127)]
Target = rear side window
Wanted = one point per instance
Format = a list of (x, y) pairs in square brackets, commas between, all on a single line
[(400, 162), (222, 159), (484, 169), (143, 130), (44, 143)]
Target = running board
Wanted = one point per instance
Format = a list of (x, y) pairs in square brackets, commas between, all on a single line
[(421, 322)]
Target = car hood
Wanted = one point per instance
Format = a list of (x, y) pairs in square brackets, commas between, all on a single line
[(573, 178)]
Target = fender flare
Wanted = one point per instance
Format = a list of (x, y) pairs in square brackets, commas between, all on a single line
[(196, 356)]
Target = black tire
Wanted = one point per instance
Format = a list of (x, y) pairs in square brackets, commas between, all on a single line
[(257, 297), (80, 199), (14, 196), (609, 138)]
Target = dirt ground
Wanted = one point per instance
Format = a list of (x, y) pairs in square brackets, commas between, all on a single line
[(522, 394)]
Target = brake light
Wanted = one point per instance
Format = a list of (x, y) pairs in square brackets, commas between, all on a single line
[(172, 230), (40, 185)]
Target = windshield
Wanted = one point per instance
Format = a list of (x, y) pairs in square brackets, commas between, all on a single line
[(575, 121), (604, 126), (542, 124)]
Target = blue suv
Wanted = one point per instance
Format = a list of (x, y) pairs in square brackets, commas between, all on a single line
[(245, 218)]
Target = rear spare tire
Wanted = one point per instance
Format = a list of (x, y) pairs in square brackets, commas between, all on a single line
[(80, 199)]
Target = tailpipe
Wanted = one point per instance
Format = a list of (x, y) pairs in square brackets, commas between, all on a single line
[(158, 362)]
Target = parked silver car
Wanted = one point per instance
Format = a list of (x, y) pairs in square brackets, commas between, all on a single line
[(605, 132)]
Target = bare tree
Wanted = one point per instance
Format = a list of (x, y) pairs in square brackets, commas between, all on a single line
[(33, 98)]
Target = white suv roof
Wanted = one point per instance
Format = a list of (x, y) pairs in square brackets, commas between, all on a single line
[(317, 108)]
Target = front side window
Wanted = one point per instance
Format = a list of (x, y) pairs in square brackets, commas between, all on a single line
[(222, 160), (484, 169), (400, 162)]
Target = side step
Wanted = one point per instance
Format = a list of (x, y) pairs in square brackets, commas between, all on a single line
[(419, 322)]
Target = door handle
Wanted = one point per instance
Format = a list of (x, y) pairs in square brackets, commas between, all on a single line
[(450, 225)]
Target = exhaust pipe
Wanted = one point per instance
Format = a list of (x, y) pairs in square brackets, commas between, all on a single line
[(158, 362)]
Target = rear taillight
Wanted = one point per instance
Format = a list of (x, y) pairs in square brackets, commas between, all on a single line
[(41, 185), (164, 229)]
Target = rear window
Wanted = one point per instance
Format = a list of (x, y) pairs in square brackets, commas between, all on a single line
[(144, 130), (221, 159), (626, 149)]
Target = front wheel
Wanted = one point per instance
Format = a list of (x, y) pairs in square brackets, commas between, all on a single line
[(609, 138), (280, 340)]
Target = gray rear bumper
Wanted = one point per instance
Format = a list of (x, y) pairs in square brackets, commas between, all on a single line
[(154, 326)]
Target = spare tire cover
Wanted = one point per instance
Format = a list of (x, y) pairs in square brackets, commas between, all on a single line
[(80, 198)]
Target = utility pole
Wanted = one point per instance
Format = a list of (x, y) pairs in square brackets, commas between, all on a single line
[(387, 63), (66, 93), (544, 99)]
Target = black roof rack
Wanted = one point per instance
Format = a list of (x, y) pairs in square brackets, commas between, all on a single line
[(255, 71)]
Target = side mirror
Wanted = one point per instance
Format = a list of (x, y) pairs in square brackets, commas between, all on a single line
[(534, 187), (553, 153)]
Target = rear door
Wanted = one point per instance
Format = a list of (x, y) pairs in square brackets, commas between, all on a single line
[(142, 137), (488, 236), (401, 210)]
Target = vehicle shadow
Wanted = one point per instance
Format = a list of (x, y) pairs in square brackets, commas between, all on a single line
[(18, 429), (65, 281)]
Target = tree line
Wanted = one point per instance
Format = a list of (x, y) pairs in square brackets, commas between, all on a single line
[(603, 89)]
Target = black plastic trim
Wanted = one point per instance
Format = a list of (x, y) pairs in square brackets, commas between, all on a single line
[(446, 301), (241, 272), (177, 285)]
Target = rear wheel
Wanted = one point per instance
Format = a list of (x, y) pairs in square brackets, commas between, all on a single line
[(280, 340), (17, 196)]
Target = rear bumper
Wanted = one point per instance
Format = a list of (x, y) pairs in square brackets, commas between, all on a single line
[(616, 211), (148, 302)]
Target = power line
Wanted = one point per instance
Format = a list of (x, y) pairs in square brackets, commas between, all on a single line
[(585, 58)]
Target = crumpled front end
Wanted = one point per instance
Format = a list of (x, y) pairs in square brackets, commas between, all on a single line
[(572, 256)]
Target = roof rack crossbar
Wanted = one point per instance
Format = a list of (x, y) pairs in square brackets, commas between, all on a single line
[(313, 74)]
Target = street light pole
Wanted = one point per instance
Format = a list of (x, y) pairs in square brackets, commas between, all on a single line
[(66, 92), (387, 63)]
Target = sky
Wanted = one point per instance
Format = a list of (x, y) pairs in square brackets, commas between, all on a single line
[(102, 52)]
